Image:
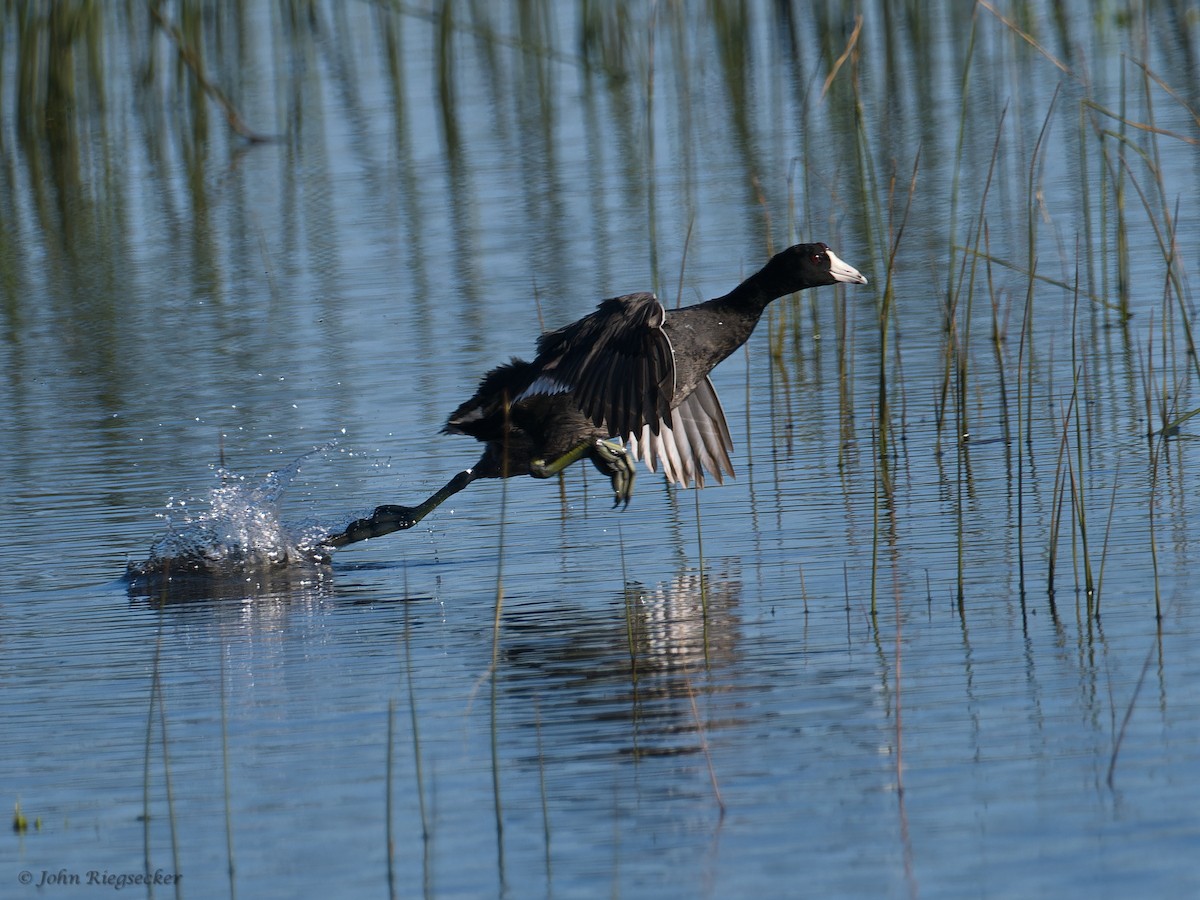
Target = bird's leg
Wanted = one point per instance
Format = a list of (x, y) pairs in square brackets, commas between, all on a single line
[(389, 518), (539, 468), (610, 457)]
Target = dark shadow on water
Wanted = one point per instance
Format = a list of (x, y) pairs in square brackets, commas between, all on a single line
[(192, 582), (195, 582)]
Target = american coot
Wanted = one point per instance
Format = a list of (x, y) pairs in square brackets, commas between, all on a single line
[(629, 375)]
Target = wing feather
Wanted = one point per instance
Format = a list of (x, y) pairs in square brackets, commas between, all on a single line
[(618, 362), (694, 439)]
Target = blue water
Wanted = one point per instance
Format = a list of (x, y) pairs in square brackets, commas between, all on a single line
[(768, 688)]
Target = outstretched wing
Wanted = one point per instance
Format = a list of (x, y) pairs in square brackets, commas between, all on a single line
[(694, 438), (618, 362)]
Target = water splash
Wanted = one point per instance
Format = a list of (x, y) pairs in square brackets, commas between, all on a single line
[(238, 534)]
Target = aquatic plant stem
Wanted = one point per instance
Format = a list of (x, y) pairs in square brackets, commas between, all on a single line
[(875, 487), (147, 744), (493, 669), (232, 868), (415, 723), (537, 725), (1119, 738), (418, 764), (651, 179), (1026, 355), (703, 579), (1112, 509), (389, 840), (700, 731), (169, 785), (901, 807)]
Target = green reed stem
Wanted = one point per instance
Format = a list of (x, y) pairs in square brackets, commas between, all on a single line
[(703, 578), (651, 175), (875, 474), (537, 726), (170, 789), (1119, 738), (1112, 509), (493, 668), (701, 733), (415, 722), (1156, 448), (1078, 365), (154, 688), (389, 837), (232, 869)]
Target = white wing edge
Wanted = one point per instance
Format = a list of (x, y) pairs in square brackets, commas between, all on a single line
[(695, 440)]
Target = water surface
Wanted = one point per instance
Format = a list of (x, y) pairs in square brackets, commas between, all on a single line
[(840, 674)]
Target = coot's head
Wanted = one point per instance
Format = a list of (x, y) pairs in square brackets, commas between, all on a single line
[(812, 265)]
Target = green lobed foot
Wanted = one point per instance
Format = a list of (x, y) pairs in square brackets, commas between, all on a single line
[(621, 469), (384, 520)]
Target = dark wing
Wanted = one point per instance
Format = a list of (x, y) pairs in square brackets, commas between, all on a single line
[(484, 415), (618, 362), (694, 438)]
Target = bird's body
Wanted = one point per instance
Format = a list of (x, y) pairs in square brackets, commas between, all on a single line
[(538, 427), (629, 374)]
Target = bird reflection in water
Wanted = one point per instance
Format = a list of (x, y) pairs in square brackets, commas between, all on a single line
[(628, 682)]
